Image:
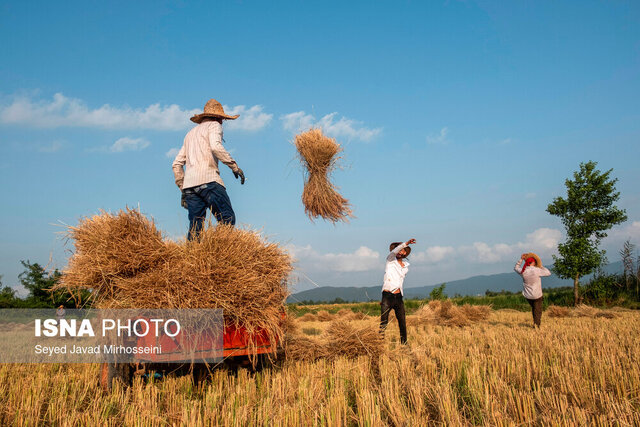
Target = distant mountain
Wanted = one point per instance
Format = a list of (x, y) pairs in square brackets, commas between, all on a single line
[(476, 285)]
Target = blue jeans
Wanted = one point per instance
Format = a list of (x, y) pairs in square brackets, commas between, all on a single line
[(212, 196)]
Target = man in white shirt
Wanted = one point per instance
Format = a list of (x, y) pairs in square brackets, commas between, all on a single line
[(201, 185), (394, 273)]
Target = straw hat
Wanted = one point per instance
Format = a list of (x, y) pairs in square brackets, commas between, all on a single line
[(534, 256), (213, 109)]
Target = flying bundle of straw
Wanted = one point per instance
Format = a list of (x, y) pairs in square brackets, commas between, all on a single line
[(124, 261), (320, 197)]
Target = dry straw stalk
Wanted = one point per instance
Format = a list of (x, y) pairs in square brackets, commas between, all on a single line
[(320, 197)]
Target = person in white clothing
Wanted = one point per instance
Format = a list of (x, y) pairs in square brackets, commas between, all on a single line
[(531, 272), (201, 185), (392, 292)]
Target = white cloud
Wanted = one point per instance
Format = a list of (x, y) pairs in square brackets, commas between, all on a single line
[(251, 119), (543, 241), (172, 153), (342, 127), (433, 254), (362, 259), (530, 196), (61, 111), (51, 148), (129, 144), (628, 231), (440, 138)]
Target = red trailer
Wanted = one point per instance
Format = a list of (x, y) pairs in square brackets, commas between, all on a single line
[(237, 346)]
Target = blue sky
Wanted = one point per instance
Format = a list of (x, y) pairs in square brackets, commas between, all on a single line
[(460, 122)]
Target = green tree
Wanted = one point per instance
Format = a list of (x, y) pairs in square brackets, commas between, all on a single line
[(7, 296), (437, 293), (38, 281), (587, 213)]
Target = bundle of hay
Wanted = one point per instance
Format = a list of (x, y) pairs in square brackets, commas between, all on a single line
[(445, 313), (320, 197), (584, 310), (308, 317), (124, 261), (324, 316), (346, 314), (348, 341), (556, 311), (339, 340), (299, 347)]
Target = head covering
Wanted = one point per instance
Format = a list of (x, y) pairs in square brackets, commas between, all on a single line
[(214, 110), (396, 244), (530, 259)]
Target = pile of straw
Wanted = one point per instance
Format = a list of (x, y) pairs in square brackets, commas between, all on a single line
[(324, 316), (581, 310), (123, 259), (320, 197), (339, 340), (346, 314), (308, 317), (557, 311), (445, 313)]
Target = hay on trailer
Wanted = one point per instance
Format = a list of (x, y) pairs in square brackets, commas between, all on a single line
[(556, 311), (445, 313), (124, 261), (320, 197)]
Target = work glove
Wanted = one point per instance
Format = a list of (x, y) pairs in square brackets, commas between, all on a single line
[(240, 174), (183, 201)]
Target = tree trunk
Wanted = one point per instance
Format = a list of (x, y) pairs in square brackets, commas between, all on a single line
[(576, 290)]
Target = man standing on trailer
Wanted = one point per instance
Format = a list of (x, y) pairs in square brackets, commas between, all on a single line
[(201, 185)]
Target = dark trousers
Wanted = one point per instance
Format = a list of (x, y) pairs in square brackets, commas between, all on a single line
[(207, 196), (536, 310), (391, 301)]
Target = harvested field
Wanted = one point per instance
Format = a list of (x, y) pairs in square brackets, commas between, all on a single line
[(573, 371)]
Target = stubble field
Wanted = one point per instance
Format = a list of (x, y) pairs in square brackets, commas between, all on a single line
[(573, 371)]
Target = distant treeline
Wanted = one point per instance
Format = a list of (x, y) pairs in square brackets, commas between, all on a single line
[(602, 290), (38, 281)]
